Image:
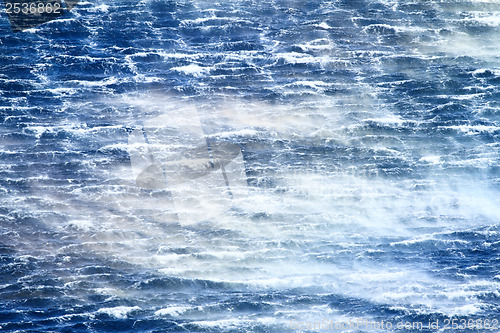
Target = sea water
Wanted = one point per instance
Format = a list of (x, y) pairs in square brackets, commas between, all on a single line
[(369, 133)]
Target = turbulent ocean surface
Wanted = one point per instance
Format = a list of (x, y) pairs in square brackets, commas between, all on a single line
[(370, 135)]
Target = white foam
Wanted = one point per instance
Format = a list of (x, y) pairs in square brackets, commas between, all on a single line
[(494, 71), (119, 312), (321, 44), (473, 129), (99, 8), (432, 159), (84, 225), (297, 58), (487, 19), (101, 83), (192, 69), (173, 311), (324, 25), (230, 134), (219, 20)]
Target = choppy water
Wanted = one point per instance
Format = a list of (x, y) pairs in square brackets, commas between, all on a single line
[(370, 134)]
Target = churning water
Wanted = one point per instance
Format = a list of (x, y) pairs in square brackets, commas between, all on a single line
[(359, 177)]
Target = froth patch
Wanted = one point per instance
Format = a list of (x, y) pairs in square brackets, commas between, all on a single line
[(119, 312)]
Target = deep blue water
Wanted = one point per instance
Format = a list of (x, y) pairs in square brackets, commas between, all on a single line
[(370, 135)]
